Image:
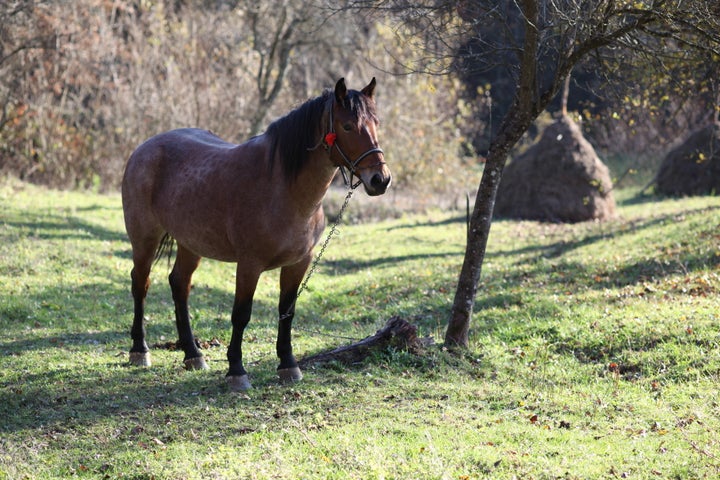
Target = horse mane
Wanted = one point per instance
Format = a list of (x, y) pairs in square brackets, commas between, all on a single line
[(293, 137)]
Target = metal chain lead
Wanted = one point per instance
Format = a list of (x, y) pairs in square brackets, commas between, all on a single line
[(333, 230)]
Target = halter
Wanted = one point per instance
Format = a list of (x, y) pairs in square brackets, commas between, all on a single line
[(329, 141)]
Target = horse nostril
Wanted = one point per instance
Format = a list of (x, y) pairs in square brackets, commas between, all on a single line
[(377, 181), (378, 184)]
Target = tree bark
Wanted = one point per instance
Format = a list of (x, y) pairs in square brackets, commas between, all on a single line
[(565, 95), (521, 114), (516, 124), (396, 333)]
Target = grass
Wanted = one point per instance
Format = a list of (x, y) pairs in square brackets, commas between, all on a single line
[(594, 353)]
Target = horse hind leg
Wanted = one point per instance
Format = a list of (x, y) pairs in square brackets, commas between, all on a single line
[(180, 279), (143, 253)]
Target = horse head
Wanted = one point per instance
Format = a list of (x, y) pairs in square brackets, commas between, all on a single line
[(353, 133)]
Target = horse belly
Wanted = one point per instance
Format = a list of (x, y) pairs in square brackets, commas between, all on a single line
[(247, 233), (207, 243), (289, 256), (206, 228), (276, 245)]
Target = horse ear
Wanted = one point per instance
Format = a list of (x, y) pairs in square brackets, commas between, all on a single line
[(340, 91), (370, 89)]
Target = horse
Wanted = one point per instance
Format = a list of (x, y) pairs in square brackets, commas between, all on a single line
[(257, 204)]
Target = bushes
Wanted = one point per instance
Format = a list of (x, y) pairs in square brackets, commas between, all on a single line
[(85, 82)]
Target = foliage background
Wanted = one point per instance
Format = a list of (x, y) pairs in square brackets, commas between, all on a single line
[(82, 83)]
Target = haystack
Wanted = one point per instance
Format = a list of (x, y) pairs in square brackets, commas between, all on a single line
[(559, 179), (692, 168)]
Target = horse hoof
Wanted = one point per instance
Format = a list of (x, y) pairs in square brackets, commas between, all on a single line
[(238, 383), (197, 363), (140, 359), (290, 375)]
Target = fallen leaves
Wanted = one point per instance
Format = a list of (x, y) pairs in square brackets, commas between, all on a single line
[(694, 284)]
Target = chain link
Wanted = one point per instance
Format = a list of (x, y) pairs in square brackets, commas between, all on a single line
[(333, 231)]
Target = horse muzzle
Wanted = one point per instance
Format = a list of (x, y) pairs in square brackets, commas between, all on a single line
[(376, 179)]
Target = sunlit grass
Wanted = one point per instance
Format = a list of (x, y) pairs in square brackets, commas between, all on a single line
[(594, 353)]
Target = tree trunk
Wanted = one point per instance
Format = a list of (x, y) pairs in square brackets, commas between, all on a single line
[(515, 125), (565, 95), (522, 113)]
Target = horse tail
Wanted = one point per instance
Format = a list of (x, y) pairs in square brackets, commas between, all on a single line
[(165, 248)]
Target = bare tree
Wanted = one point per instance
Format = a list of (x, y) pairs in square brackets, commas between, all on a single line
[(537, 43), (281, 33), (276, 32)]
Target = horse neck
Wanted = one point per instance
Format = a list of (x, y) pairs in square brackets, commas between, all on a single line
[(312, 183)]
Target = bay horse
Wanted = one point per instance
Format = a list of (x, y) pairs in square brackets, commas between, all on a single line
[(258, 204)]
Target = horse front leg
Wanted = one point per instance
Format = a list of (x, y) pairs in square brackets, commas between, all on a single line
[(290, 278), (237, 377)]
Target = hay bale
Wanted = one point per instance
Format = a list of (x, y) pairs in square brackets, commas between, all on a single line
[(559, 179), (692, 168)]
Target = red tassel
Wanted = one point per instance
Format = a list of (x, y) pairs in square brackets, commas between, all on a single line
[(330, 139)]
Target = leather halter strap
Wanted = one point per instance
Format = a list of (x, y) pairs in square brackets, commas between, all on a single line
[(352, 166)]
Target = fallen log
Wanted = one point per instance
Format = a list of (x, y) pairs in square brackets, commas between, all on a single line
[(397, 333)]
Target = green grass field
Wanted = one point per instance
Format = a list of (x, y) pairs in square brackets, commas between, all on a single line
[(595, 353)]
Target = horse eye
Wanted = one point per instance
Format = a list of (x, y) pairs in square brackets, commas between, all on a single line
[(347, 127)]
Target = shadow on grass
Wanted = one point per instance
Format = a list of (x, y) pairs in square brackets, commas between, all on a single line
[(102, 313), (65, 362), (627, 275), (449, 221), (349, 265), (641, 199), (64, 395), (59, 382), (614, 231), (61, 227)]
